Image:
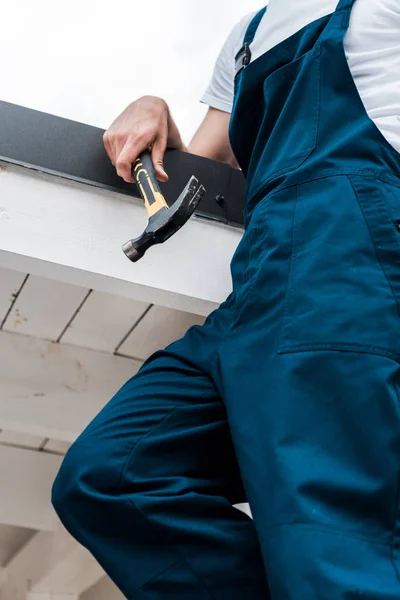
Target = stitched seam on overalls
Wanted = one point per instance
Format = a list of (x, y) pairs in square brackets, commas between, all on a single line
[(262, 210), (389, 181), (339, 347), (324, 174), (166, 571), (346, 14), (292, 262), (384, 211), (396, 568), (157, 576), (331, 530), (130, 501), (133, 445), (397, 505), (183, 558)]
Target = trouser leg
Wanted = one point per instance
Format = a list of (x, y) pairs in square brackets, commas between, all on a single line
[(323, 474), (148, 488), (315, 413)]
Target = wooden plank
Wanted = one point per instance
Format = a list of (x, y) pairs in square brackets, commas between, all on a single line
[(160, 327), (14, 590), (55, 390), (72, 233), (103, 320), (105, 589), (26, 479), (44, 307), (50, 563), (56, 446), (11, 540), (71, 569), (21, 439), (50, 596), (10, 283)]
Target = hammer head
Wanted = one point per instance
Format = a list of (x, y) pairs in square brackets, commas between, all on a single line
[(164, 223)]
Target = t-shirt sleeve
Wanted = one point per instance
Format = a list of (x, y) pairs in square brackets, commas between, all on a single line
[(220, 91)]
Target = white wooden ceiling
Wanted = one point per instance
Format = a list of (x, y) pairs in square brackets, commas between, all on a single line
[(11, 539), (71, 316)]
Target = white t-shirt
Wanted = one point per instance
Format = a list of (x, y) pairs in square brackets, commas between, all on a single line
[(372, 47)]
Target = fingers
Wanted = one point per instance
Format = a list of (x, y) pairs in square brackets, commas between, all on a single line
[(108, 146), (125, 160), (157, 155), (142, 125)]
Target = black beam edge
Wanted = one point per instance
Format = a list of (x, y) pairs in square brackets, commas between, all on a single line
[(73, 150)]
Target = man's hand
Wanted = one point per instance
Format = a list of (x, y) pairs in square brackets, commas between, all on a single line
[(144, 124)]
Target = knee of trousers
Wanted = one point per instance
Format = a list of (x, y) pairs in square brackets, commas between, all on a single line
[(87, 484)]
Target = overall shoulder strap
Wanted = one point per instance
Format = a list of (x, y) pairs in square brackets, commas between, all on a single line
[(243, 57), (253, 26), (344, 5), (338, 23)]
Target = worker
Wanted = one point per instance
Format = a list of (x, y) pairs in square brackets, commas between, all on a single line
[(288, 396)]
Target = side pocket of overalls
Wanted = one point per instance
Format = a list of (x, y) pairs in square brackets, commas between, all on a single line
[(396, 524), (344, 283), (380, 205), (246, 260)]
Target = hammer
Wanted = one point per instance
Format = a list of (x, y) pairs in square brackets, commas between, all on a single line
[(164, 220)]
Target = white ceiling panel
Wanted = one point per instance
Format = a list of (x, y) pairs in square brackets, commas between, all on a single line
[(12, 539), (53, 389), (57, 446), (105, 589), (27, 477), (160, 327), (103, 321), (10, 283), (26, 440), (44, 307)]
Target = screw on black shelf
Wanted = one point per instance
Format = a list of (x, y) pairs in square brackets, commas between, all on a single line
[(220, 199)]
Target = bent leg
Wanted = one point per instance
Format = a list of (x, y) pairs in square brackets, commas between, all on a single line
[(148, 488)]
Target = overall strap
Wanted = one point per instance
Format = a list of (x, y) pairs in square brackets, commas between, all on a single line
[(243, 57), (252, 28), (339, 22), (344, 5)]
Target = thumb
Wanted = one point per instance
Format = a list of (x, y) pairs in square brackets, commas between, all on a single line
[(157, 155)]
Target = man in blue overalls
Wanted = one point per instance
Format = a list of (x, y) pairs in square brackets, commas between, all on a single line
[(288, 395)]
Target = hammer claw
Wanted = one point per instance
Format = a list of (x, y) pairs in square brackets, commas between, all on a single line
[(164, 220)]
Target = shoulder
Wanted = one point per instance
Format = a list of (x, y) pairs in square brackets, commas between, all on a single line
[(236, 36), (245, 21)]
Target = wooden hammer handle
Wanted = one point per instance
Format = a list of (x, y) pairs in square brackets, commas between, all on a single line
[(145, 178)]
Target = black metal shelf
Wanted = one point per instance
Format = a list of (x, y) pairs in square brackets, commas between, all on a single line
[(74, 150)]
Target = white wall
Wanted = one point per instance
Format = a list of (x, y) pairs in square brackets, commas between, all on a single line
[(87, 60)]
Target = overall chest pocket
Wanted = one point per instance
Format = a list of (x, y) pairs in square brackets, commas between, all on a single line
[(343, 287), (287, 133)]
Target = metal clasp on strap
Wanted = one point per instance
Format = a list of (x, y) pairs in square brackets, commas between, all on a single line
[(242, 58)]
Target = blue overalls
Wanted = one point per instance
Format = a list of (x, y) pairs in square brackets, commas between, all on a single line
[(288, 395)]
